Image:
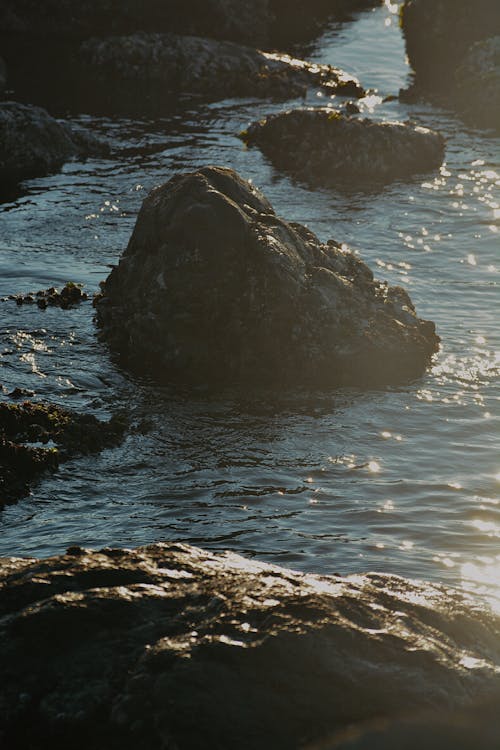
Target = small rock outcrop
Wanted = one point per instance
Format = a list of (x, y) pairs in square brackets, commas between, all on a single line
[(70, 295), (168, 646), (35, 437), (33, 144), (215, 288), (450, 68), (141, 70), (325, 148)]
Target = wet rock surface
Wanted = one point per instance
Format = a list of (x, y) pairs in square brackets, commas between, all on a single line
[(325, 148), (439, 35), (33, 144), (477, 84), (140, 71), (35, 437), (70, 295), (215, 288), (168, 646)]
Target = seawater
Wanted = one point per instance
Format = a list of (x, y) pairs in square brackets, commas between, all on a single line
[(401, 480)]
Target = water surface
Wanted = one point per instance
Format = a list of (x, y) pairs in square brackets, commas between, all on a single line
[(401, 480)]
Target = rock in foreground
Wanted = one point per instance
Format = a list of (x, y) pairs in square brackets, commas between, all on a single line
[(168, 646), (215, 288), (33, 144), (324, 148), (140, 71)]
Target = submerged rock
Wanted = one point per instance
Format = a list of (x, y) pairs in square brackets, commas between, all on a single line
[(452, 49), (141, 70), (214, 287), (168, 646), (323, 147), (35, 437), (33, 144)]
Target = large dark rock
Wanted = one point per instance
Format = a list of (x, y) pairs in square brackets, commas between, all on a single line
[(325, 148), (254, 22), (476, 91), (438, 34), (33, 144), (3, 76), (450, 68), (138, 72), (171, 647), (214, 287), (238, 20)]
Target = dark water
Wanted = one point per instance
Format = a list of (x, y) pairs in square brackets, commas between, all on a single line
[(404, 480)]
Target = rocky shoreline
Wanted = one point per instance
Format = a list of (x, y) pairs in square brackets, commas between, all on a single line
[(169, 646)]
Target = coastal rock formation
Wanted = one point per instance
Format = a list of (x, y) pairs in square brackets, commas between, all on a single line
[(36, 437), (3, 76), (260, 23), (438, 34), (32, 143), (237, 20), (214, 287), (168, 646), (139, 71), (477, 84), (325, 148), (452, 46), (70, 295)]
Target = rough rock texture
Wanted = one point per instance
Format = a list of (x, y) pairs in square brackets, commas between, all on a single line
[(32, 143), (35, 437), (324, 147), (477, 84), (70, 295), (238, 20), (170, 647), (139, 71), (476, 727), (438, 34), (214, 287), (3, 76), (254, 22), (450, 68)]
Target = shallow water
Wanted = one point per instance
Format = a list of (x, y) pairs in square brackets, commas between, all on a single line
[(402, 480)]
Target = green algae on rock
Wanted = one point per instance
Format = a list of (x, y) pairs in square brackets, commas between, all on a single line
[(26, 429), (215, 288), (323, 147), (123, 648)]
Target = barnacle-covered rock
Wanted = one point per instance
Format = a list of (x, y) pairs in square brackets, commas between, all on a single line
[(168, 646), (214, 287), (138, 71), (325, 148)]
